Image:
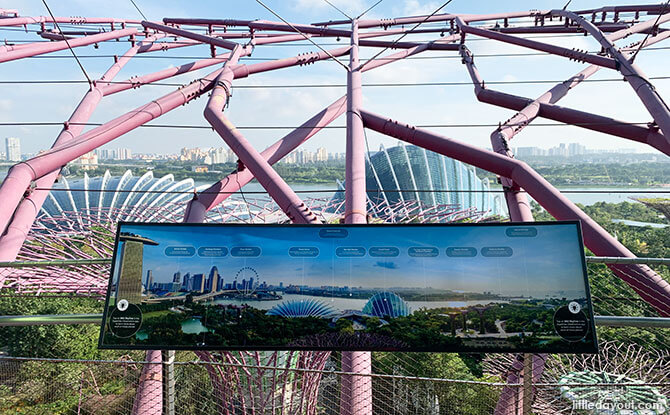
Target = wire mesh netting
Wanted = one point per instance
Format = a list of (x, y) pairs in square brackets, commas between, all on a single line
[(58, 369), (237, 384)]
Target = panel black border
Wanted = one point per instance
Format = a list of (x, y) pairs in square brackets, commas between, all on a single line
[(579, 349)]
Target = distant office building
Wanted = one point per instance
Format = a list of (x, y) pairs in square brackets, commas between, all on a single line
[(576, 149), (104, 154), (149, 281), (88, 161), (530, 152), (213, 280), (12, 149), (166, 286), (198, 284), (176, 278), (321, 154), (187, 283), (123, 154)]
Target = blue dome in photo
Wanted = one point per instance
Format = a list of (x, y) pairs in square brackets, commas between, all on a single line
[(302, 308), (385, 304)]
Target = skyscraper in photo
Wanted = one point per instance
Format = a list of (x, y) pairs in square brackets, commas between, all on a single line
[(149, 281), (198, 284)]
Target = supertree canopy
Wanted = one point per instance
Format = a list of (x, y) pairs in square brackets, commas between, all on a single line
[(386, 304)]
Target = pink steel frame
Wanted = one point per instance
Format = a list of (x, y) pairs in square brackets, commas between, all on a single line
[(20, 205)]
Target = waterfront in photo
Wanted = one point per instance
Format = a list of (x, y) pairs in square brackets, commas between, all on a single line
[(343, 304)]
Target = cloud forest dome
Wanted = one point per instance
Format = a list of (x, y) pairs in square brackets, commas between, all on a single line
[(422, 174)]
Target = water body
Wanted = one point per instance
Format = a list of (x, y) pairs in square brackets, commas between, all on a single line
[(640, 224), (193, 326), (190, 326), (598, 194), (342, 304)]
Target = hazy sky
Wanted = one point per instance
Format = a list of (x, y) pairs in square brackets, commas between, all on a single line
[(291, 106), (549, 262)]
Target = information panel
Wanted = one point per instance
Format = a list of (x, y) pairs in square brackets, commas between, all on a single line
[(438, 288)]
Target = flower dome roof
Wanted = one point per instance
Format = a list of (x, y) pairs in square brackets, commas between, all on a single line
[(302, 308), (116, 198)]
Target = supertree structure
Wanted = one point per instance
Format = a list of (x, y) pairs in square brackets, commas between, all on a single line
[(27, 184), (638, 370)]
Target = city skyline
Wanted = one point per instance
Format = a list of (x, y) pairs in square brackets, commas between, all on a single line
[(519, 273)]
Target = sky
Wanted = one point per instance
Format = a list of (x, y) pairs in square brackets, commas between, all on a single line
[(547, 263), (287, 106)]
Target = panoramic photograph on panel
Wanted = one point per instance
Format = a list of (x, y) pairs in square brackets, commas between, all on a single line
[(484, 287)]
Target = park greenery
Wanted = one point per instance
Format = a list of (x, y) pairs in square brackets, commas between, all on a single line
[(528, 324), (313, 173), (43, 387)]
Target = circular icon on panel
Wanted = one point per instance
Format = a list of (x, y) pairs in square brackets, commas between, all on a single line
[(574, 307), (122, 305), (125, 323), (570, 325)]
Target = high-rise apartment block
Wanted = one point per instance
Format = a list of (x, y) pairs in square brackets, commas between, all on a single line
[(12, 149)]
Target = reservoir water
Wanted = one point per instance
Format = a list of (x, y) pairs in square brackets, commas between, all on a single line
[(342, 304), (583, 195)]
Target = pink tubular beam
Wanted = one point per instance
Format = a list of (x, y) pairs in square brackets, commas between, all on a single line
[(356, 391), (19, 177), (543, 47), (226, 44), (282, 193), (355, 205), (547, 109), (149, 394), (136, 82), (649, 285), (21, 21), (407, 45), (384, 23), (641, 85), (312, 30), (47, 47), (579, 119), (242, 71), (220, 191), (27, 210)]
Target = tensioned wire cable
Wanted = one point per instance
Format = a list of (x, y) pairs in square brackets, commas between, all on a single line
[(382, 58), (67, 42), (292, 86), (262, 192), (330, 127)]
